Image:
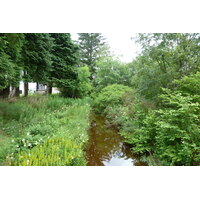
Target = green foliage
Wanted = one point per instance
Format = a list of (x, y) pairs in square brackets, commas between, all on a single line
[(40, 119), (5, 146), (189, 85), (57, 151), (110, 96), (36, 57), (7, 71), (91, 46), (165, 57), (64, 74), (149, 78), (171, 133), (112, 71), (10, 49), (84, 86)]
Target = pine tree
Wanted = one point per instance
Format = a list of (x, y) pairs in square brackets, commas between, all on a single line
[(10, 54), (37, 58), (91, 45), (65, 59)]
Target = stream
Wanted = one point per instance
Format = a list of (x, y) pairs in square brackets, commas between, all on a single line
[(106, 147)]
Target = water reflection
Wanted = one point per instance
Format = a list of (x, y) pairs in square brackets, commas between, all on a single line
[(105, 147)]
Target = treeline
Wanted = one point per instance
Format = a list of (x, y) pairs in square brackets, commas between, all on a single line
[(155, 100), (50, 59)]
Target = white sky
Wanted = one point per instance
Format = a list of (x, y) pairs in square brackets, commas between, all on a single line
[(121, 45)]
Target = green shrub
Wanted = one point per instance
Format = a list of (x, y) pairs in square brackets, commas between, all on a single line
[(171, 133), (189, 85), (110, 96), (85, 85)]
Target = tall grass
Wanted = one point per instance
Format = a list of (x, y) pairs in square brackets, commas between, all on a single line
[(37, 119)]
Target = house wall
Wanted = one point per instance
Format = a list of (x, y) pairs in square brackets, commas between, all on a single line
[(33, 88)]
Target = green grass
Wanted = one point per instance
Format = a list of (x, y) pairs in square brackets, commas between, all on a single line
[(39, 121), (5, 143)]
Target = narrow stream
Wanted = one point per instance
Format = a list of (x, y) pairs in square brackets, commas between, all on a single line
[(106, 148)]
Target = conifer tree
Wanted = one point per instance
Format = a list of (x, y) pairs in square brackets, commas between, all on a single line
[(64, 73), (10, 54), (37, 58), (91, 45)]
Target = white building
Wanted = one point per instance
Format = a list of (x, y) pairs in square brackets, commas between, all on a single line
[(32, 88)]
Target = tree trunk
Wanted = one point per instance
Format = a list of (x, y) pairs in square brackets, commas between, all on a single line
[(25, 89), (49, 89), (5, 93), (37, 86), (17, 92), (12, 91)]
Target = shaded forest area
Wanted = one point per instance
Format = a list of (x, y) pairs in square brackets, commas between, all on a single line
[(154, 101)]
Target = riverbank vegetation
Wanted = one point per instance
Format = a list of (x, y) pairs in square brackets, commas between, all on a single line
[(160, 117), (154, 101), (41, 130)]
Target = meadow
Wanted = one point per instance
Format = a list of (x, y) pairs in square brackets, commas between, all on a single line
[(42, 130)]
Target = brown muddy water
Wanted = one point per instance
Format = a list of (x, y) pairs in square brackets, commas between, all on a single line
[(106, 147)]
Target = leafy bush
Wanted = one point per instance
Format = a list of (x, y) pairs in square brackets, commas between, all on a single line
[(172, 133), (84, 87), (124, 116), (110, 96), (111, 71)]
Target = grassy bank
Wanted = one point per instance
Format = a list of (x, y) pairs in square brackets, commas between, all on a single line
[(42, 130)]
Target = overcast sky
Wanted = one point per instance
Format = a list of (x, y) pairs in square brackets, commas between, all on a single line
[(121, 44)]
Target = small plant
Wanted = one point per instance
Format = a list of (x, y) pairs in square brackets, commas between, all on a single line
[(57, 151)]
